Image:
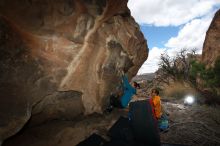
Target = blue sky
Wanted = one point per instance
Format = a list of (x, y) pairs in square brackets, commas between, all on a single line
[(158, 36), (170, 25)]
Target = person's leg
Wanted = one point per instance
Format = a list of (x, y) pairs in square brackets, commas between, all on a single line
[(115, 101)]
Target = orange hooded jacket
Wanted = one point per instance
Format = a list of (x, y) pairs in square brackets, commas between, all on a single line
[(156, 104)]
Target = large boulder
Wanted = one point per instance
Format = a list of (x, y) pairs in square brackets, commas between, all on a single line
[(63, 56), (211, 47), (211, 54)]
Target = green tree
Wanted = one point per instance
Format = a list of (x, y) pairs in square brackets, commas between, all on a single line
[(210, 76), (216, 71), (196, 69)]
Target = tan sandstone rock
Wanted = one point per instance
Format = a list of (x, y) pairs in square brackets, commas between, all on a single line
[(211, 47), (63, 56)]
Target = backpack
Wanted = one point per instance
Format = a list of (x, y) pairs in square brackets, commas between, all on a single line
[(163, 123)]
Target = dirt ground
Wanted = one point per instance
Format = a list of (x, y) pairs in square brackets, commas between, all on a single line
[(189, 125)]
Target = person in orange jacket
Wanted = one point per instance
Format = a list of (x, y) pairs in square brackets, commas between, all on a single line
[(156, 103), (161, 117)]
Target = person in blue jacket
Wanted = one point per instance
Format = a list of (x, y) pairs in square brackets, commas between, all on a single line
[(129, 91), (121, 101)]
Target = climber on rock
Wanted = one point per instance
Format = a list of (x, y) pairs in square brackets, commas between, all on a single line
[(121, 100)]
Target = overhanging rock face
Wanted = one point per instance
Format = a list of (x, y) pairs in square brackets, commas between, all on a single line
[(63, 54)]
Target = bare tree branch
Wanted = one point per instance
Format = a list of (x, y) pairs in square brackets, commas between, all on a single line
[(176, 68)]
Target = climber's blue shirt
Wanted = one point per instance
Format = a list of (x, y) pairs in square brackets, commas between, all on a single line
[(129, 91)]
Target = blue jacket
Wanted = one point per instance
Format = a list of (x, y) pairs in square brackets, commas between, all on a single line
[(129, 91)]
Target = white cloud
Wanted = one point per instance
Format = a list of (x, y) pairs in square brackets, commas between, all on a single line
[(192, 35), (169, 12), (151, 64)]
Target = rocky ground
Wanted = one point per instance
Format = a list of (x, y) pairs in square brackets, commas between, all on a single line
[(189, 125), (193, 125)]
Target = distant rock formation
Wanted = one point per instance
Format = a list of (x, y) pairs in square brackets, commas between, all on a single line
[(211, 47), (60, 59)]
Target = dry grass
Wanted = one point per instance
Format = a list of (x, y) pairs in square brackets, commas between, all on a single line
[(178, 91)]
